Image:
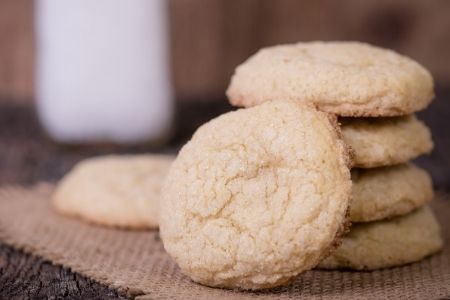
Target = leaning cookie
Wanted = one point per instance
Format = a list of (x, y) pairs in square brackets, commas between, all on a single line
[(344, 78), (121, 191), (257, 196), (387, 192), (380, 142), (389, 243)]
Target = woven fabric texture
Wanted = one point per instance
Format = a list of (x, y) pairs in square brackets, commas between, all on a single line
[(135, 262)]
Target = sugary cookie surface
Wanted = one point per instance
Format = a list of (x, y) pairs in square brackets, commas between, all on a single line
[(345, 78), (115, 190), (380, 142), (388, 243), (257, 196), (387, 192)]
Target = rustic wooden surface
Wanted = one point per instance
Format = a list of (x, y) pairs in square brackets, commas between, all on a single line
[(24, 276), (16, 50), (210, 37), (28, 156)]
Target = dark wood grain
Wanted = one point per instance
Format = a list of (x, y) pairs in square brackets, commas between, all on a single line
[(28, 156), (24, 276)]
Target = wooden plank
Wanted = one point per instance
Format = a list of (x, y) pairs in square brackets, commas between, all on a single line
[(210, 37), (24, 276), (16, 50)]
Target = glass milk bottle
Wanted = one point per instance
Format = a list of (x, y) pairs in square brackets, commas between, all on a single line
[(103, 70)]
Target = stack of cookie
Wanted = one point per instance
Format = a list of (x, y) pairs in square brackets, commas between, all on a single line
[(375, 93)]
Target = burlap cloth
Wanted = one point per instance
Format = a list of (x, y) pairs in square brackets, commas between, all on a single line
[(135, 262)]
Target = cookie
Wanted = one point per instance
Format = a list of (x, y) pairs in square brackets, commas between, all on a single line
[(386, 192), (345, 78), (383, 244), (122, 191), (380, 142), (257, 196)]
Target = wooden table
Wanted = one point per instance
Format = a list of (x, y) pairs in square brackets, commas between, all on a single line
[(28, 156)]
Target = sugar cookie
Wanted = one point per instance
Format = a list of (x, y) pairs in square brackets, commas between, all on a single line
[(380, 142), (344, 78), (121, 191), (387, 243), (388, 192), (257, 196)]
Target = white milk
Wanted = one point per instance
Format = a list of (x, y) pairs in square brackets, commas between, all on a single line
[(103, 70)]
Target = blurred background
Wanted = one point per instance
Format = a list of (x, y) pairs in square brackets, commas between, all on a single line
[(206, 40)]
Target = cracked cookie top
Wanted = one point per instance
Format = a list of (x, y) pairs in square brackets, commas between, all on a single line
[(257, 196), (386, 192), (345, 78), (378, 142), (388, 243), (114, 190)]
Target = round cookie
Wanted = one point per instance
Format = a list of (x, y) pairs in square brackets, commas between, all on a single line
[(387, 192), (380, 142), (257, 196), (122, 191), (344, 78), (388, 243)]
